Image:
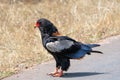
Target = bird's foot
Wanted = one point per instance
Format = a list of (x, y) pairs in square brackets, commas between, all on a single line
[(53, 73), (56, 73), (59, 74)]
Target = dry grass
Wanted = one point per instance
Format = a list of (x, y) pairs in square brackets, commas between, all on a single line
[(83, 20)]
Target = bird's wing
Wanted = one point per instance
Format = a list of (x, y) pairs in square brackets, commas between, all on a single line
[(61, 44), (69, 47)]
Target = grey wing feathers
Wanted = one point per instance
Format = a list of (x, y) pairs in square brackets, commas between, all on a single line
[(58, 46)]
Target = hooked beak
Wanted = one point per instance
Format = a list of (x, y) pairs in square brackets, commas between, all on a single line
[(34, 27)]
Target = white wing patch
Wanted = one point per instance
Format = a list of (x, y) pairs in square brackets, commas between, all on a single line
[(58, 46)]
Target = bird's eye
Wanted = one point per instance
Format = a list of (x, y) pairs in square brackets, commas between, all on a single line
[(37, 24)]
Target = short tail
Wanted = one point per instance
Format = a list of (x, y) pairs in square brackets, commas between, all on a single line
[(89, 53), (93, 45), (97, 52), (88, 48)]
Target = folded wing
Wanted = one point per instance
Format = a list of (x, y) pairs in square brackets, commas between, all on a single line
[(69, 47), (62, 44)]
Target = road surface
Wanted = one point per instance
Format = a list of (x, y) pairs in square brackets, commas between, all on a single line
[(95, 67)]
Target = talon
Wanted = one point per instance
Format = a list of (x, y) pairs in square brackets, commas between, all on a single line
[(59, 74), (53, 73)]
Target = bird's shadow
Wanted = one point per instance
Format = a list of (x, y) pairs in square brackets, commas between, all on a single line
[(80, 74)]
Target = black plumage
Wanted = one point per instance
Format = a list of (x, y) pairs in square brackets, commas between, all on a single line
[(62, 48)]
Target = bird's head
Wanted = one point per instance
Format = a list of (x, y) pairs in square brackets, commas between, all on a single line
[(46, 27)]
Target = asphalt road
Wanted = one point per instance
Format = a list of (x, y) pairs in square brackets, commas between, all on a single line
[(95, 67)]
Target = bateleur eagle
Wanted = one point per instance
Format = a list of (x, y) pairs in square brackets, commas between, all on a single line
[(62, 48)]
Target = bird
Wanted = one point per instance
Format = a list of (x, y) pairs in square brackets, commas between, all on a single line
[(62, 48)]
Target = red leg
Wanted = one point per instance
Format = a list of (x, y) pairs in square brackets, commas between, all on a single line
[(55, 72), (59, 74)]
